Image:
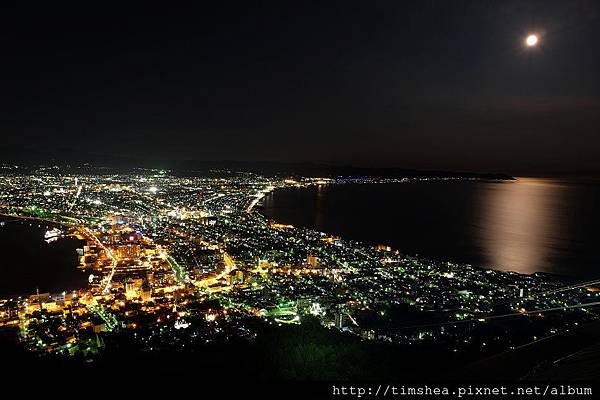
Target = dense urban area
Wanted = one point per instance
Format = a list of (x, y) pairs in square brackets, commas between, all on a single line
[(175, 260)]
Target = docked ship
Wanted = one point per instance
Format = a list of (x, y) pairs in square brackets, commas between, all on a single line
[(52, 235)]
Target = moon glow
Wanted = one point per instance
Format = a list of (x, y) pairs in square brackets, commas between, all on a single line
[(531, 40)]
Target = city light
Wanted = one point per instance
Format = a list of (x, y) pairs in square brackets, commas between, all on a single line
[(198, 257)]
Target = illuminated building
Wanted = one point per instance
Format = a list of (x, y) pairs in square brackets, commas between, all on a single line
[(339, 320), (128, 251), (119, 221), (312, 261), (146, 290)]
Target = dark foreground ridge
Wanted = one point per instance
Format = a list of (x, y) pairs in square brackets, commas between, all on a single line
[(300, 362)]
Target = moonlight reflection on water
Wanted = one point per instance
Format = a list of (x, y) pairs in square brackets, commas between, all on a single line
[(529, 225)]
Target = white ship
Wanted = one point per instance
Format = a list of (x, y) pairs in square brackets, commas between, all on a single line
[(52, 235)]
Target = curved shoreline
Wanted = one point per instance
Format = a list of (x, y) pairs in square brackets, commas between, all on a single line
[(45, 224), (276, 216)]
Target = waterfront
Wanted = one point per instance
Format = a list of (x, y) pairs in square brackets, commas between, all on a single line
[(529, 225), (184, 261), (29, 263)]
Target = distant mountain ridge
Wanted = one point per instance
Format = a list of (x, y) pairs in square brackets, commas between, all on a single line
[(77, 159)]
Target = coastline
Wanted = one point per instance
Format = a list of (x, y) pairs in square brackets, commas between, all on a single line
[(286, 210), (425, 258), (74, 275)]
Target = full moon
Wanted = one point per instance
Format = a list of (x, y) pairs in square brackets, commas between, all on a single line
[(531, 40)]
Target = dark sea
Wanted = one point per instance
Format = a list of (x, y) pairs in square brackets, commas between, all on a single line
[(29, 263), (528, 225)]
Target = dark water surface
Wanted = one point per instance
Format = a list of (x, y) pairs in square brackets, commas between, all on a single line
[(529, 225), (28, 262)]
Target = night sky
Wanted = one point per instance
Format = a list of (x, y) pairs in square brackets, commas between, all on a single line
[(424, 84)]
